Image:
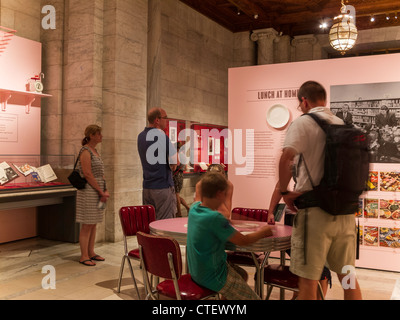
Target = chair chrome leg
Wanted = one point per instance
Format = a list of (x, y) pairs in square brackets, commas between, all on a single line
[(269, 291), (134, 279), (121, 272)]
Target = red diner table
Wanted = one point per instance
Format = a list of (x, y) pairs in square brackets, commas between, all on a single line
[(280, 241)]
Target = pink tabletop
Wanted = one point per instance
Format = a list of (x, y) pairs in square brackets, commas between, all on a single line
[(177, 228)]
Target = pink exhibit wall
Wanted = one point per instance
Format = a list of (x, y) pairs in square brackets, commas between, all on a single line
[(21, 60), (252, 93), (19, 131)]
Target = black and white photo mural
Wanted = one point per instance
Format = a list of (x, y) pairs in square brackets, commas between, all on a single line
[(375, 108)]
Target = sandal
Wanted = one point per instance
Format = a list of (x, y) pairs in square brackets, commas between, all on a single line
[(85, 262), (97, 258)]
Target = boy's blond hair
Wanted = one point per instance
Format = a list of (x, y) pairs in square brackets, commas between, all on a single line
[(211, 183)]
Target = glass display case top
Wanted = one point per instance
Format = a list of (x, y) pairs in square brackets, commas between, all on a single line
[(34, 171)]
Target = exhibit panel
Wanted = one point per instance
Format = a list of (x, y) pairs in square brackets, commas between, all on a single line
[(35, 195), (360, 89)]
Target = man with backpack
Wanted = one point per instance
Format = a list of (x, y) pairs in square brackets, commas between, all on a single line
[(318, 237)]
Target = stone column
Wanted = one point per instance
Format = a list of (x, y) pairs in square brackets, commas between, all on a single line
[(154, 54), (124, 105), (52, 67), (265, 40), (282, 49), (83, 71), (304, 48), (243, 50)]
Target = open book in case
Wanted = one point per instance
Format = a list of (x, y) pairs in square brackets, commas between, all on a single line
[(34, 171)]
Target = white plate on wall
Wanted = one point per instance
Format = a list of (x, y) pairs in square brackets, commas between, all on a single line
[(278, 116)]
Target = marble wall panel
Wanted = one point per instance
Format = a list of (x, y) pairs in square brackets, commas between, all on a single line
[(23, 16)]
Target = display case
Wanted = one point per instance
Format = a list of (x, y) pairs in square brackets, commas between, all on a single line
[(212, 146), (206, 143), (35, 181), (176, 131), (52, 170), (174, 128)]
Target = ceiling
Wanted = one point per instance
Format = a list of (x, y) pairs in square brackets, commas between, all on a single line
[(294, 17)]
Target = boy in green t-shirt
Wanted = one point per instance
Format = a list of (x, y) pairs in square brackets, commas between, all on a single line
[(208, 232)]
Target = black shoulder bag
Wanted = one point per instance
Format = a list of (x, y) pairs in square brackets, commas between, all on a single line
[(75, 178)]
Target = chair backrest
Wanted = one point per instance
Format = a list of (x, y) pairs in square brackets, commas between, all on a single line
[(250, 214), (154, 250), (136, 218)]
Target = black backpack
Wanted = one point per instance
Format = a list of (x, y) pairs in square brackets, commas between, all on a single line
[(346, 168)]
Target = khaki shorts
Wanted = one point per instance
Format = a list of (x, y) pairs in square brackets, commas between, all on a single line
[(330, 240)]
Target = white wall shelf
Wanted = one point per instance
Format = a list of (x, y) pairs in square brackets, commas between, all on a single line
[(30, 97)]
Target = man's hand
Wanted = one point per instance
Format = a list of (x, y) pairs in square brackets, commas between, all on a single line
[(290, 198)]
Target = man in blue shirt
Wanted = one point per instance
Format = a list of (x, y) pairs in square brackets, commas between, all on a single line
[(159, 158), (208, 232)]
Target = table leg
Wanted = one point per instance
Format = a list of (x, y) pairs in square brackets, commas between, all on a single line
[(283, 261), (260, 273), (186, 261)]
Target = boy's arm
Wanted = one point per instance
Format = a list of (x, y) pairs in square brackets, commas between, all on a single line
[(197, 196), (229, 196), (242, 240)]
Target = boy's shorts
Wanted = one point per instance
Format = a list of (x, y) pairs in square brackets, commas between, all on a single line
[(236, 288), (331, 240)]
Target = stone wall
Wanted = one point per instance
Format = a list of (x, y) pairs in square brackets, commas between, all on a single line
[(189, 58), (124, 104), (190, 70), (22, 15)]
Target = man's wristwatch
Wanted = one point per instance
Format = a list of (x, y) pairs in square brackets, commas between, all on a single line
[(284, 193)]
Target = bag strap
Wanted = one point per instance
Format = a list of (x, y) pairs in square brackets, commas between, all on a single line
[(321, 122), (301, 159), (76, 162)]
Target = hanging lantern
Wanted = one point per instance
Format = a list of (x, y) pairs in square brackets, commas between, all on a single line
[(343, 34)]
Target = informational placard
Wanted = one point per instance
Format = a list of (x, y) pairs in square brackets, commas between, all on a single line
[(370, 87), (8, 128)]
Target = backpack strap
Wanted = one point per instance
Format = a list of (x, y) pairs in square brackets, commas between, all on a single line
[(324, 125), (321, 122), (301, 159)]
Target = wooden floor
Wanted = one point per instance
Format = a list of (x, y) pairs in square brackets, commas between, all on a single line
[(21, 265)]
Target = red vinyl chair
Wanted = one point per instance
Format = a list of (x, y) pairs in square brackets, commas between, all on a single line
[(134, 219), (279, 276), (246, 258), (250, 214), (161, 257)]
